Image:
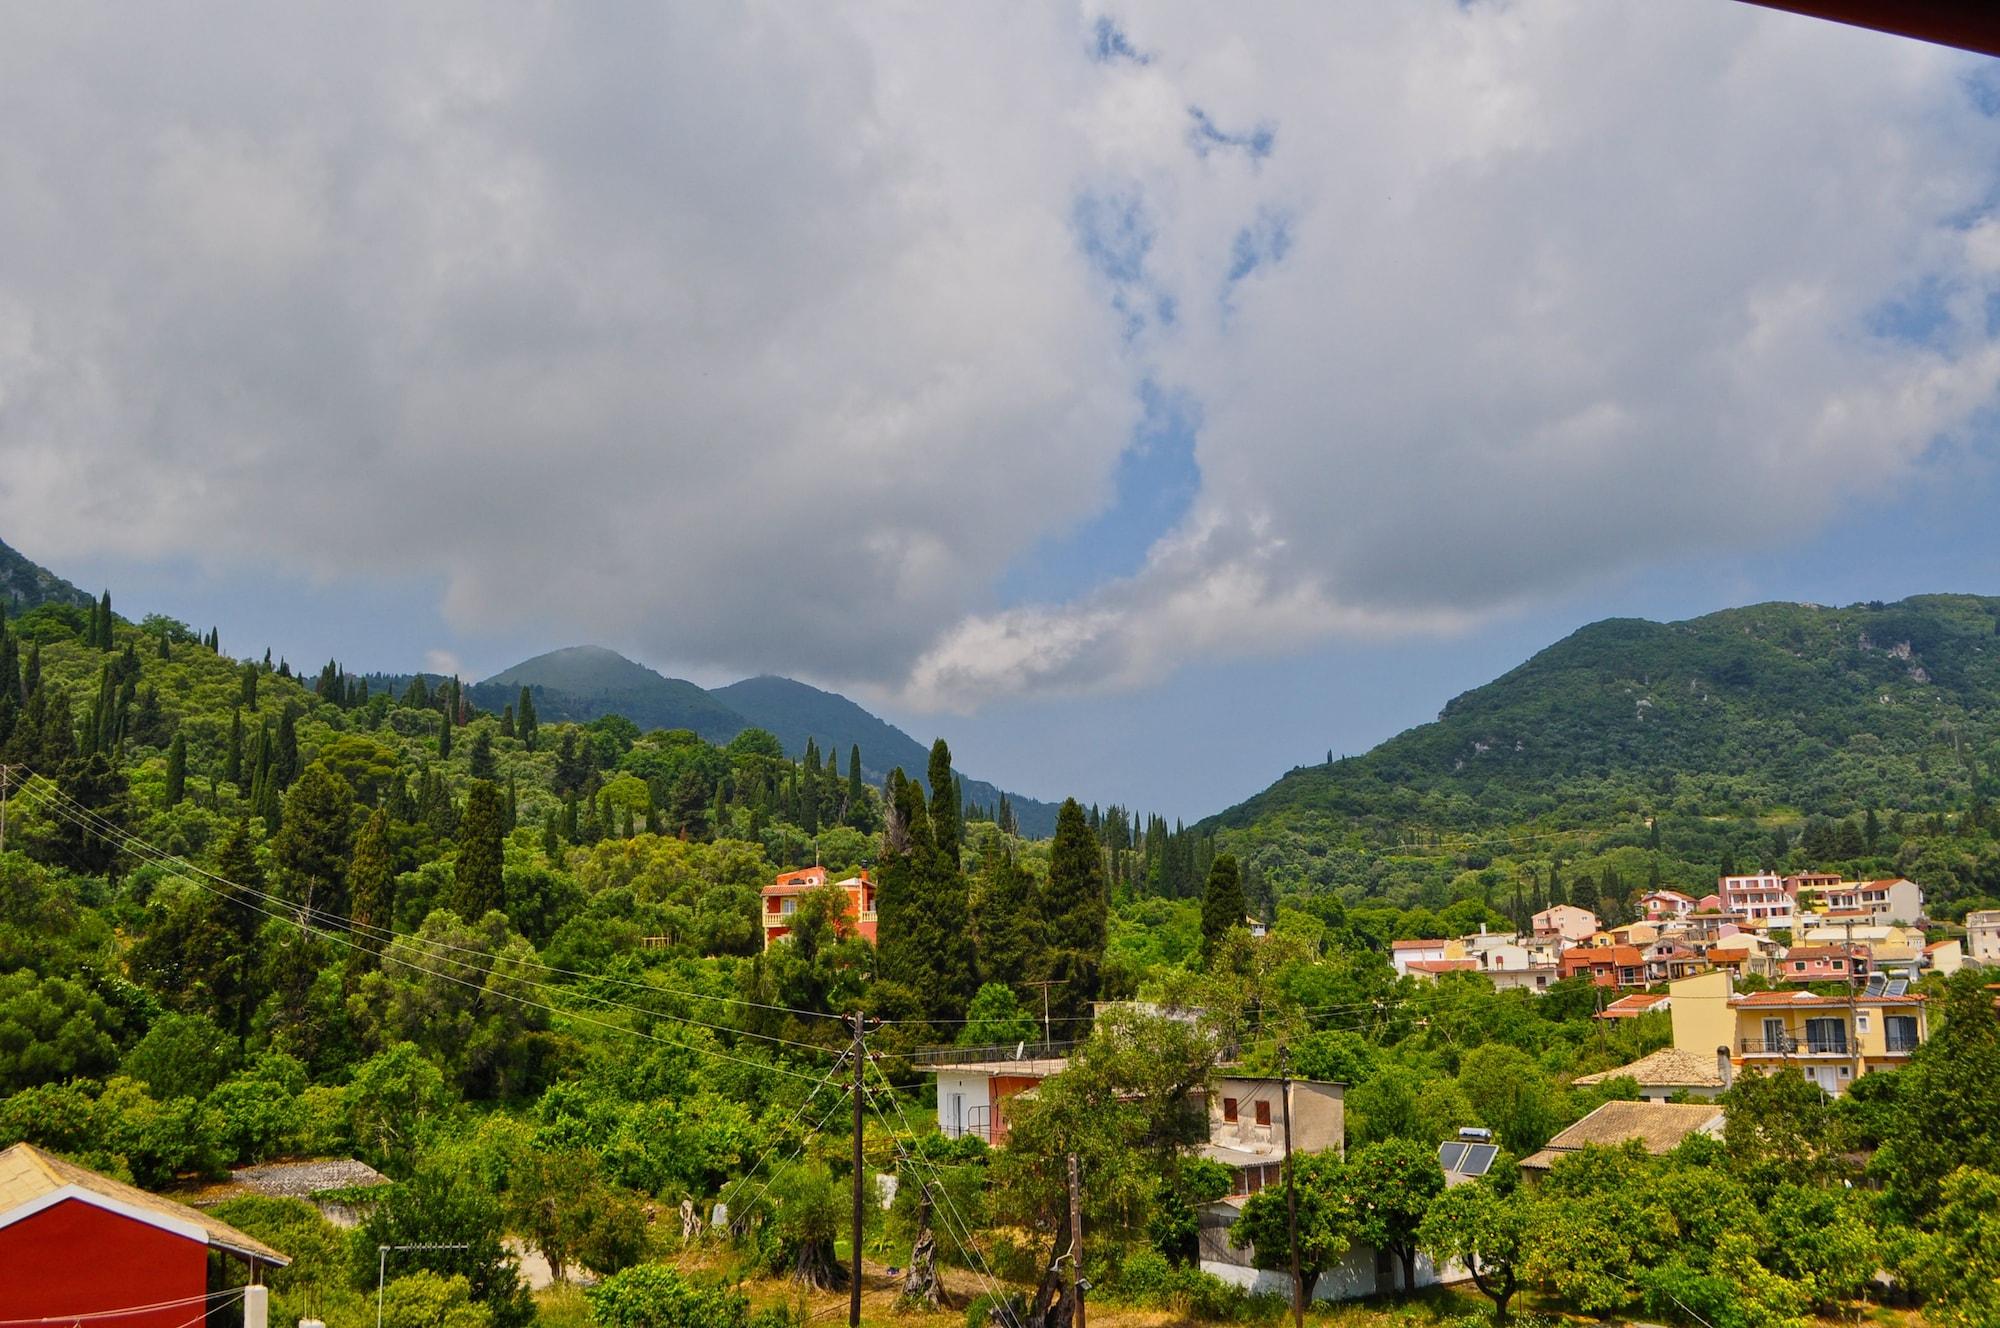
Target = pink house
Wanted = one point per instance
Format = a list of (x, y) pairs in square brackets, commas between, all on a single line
[(1824, 963), (1661, 905)]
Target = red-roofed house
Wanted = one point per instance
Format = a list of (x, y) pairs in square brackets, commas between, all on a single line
[(1404, 953), (1824, 963), (1426, 970), (1631, 1007), (1606, 965), (1660, 905), (781, 900)]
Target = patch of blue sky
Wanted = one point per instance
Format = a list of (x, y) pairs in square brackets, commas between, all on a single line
[(1267, 240), (1114, 234), (1918, 314), (1205, 136), (1982, 84), (1156, 483), (1110, 45)]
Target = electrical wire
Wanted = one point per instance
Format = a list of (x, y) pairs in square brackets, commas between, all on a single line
[(99, 825), (481, 987), (161, 855), (121, 1312)]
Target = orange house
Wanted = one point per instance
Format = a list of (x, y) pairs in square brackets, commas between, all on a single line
[(781, 900)]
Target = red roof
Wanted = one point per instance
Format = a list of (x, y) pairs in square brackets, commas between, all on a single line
[(1441, 965), (1416, 945), (1631, 1007)]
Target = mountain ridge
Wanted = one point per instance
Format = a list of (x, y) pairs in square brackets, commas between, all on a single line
[(1763, 706)]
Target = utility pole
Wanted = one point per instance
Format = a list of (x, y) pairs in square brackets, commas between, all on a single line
[(1047, 1038), (1291, 1186), (860, 1087), (3, 809), (1076, 1283)]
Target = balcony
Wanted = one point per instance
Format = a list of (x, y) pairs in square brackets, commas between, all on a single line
[(1901, 1046), (1791, 1046)]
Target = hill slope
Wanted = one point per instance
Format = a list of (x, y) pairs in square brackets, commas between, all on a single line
[(25, 584), (794, 712), (583, 682), (1770, 706)]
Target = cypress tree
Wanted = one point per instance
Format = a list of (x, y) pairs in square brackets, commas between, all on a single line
[(524, 719), (1075, 910), (285, 761), (1222, 906), (507, 722), (809, 790), (371, 882), (165, 653), (477, 885), (315, 841), (479, 759), (551, 837), (104, 639), (444, 739), (1011, 941), (247, 698), (946, 828), (31, 676), (857, 793), (236, 862), (513, 805), (177, 756)]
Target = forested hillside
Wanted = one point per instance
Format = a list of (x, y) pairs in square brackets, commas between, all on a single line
[(25, 585), (1867, 736)]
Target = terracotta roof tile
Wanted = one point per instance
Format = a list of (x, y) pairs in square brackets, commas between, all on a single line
[(1659, 1127), (1666, 1067)]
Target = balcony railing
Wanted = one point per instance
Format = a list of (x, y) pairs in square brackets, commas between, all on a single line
[(1791, 1046), (999, 1051), (1901, 1046)]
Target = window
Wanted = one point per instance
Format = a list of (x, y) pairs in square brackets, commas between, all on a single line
[(1826, 1035), (1774, 1035), (1861, 1021), (1263, 1113), (1229, 1110), (1799, 966), (1901, 1031)]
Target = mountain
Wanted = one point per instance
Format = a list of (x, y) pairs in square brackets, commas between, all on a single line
[(1775, 708), (794, 712), (583, 682), (25, 585)]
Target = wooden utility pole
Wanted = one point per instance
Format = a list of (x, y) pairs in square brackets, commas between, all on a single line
[(1045, 984), (1291, 1187), (1075, 1243), (860, 1086)]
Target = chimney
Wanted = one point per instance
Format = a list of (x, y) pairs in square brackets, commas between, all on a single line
[(1724, 1068)]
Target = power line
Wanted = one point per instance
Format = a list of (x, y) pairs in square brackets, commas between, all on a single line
[(85, 818), (49, 787), (337, 939)]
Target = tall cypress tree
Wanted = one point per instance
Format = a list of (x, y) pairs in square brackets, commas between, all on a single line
[(232, 755), (946, 828), (1076, 911), (477, 885), (371, 883), (524, 719), (236, 862), (314, 841), (177, 756), (922, 925), (507, 721), (1222, 906), (857, 792), (1010, 933), (104, 639), (444, 739)]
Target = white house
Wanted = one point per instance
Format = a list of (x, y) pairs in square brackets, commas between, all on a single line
[(1403, 953), (972, 1094), (1766, 898), (1982, 936)]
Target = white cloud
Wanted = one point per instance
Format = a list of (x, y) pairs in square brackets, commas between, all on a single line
[(763, 337)]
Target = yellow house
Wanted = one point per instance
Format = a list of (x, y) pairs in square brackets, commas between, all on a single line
[(1832, 1040)]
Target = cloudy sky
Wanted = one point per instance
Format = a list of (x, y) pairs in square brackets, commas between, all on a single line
[(1147, 397)]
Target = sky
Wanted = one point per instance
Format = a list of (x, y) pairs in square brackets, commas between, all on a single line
[(1147, 398)]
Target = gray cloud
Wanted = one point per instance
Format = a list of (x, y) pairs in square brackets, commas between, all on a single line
[(772, 330)]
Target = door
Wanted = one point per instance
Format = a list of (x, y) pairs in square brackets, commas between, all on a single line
[(954, 1114)]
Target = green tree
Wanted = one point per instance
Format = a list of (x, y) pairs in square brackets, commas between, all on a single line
[(525, 722), (1009, 923), (946, 827), (481, 833), (395, 1097), (182, 1055), (1325, 1221), (371, 883), (925, 940), (1955, 1264), (177, 758), (311, 849), (995, 1016), (656, 1296), (1947, 1112), (1390, 1186), (1075, 909), (1510, 1093), (438, 1206), (425, 1299), (1485, 1231), (1222, 906)]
